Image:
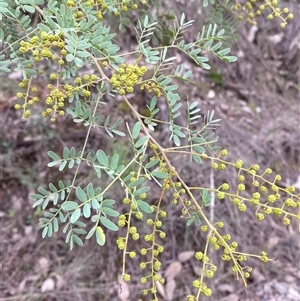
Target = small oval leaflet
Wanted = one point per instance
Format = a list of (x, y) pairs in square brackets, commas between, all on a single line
[(100, 236), (87, 210), (159, 174), (91, 232), (110, 212), (108, 224), (69, 205), (53, 155), (75, 215), (81, 194), (144, 206), (141, 190), (136, 130), (141, 141)]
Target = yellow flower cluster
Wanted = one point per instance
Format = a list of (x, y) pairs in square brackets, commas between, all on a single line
[(264, 256), (155, 249), (201, 286), (271, 203), (121, 242), (29, 99), (101, 6), (152, 86), (57, 96), (56, 101), (41, 46), (127, 77), (254, 8)]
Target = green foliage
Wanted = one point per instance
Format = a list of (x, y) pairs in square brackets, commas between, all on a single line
[(73, 35), (223, 16)]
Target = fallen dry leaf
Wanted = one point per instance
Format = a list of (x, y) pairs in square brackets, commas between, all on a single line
[(225, 288), (60, 282), (232, 297), (160, 288), (185, 256), (173, 270), (48, 285), (23, 283), (197, 270), (42, 266), (272, 241), (252, 34), (257, 275), (30, 234), (276, 38), (289, 279), (124, 292), (170, 288)]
